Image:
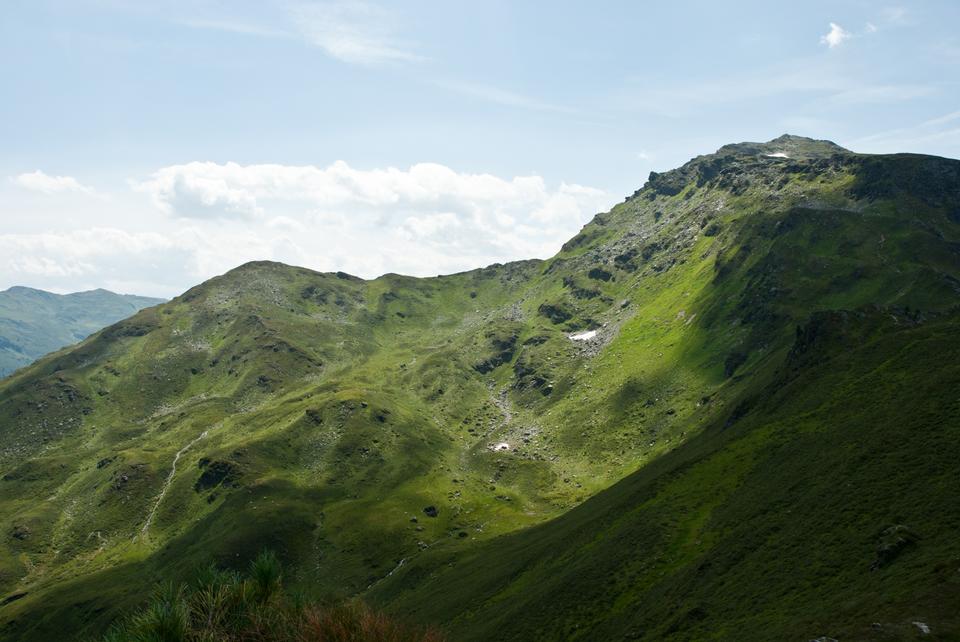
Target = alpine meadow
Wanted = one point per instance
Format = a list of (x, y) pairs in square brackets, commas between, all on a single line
[(725, 410)]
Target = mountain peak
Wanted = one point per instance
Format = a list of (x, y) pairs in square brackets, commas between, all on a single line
[(746, 159), (785, 146)]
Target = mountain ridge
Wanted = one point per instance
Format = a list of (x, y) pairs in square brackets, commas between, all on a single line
[(429, 443), (34, 322)]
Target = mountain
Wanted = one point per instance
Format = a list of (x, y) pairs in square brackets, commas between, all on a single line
[(34, 322), (726, 409)]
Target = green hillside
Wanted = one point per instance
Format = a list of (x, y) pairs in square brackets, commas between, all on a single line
[(725, 410), (34, 323)]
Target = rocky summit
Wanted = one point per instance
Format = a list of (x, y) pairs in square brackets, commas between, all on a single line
[(726, 409)]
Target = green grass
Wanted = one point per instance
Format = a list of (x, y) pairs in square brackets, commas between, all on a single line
[(319, 415), (765, 529)]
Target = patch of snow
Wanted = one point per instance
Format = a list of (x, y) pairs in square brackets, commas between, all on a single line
[(500, 446), (777, 155), (583, 336), (923, 627)]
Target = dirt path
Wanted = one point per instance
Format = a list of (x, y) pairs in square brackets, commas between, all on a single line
[(168, 481), (395, 569)]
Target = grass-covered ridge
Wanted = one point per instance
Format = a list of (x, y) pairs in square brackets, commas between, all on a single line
[(374, 433)]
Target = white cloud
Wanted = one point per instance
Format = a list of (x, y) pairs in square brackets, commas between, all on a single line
[(205, 190), (942, 120), (836, 36), (424, 220), (97, 257), (40, 182), (354, 32)]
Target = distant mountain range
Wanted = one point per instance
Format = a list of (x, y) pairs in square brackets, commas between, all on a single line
[(727, 409), (35, 322)]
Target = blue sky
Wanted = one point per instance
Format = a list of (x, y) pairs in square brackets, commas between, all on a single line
[(150, 145)]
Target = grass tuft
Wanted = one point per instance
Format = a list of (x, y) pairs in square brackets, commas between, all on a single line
[(223, 606)]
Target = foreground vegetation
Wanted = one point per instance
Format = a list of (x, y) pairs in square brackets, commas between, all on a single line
[(223, 606)]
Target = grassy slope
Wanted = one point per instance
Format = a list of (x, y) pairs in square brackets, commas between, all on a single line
[(319, 414), (763, 529), (34, 323)]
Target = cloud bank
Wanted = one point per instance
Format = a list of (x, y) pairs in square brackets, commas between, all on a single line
[(203, 218)]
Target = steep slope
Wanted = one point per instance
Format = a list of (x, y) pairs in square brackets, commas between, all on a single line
[(34, 323), (376, 432), (823, 505)]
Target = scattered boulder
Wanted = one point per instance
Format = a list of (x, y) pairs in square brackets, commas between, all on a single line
[(625, 260), (216, 473), (555, 312), (893, 541), (504, 346), (127, 475), (431, 511), (666, 184), (599, 274)]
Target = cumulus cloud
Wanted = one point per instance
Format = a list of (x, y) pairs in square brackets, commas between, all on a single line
[(204, 190), (428, 202), (424, 220), (836, 36), (214, 190), (38, 181)]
